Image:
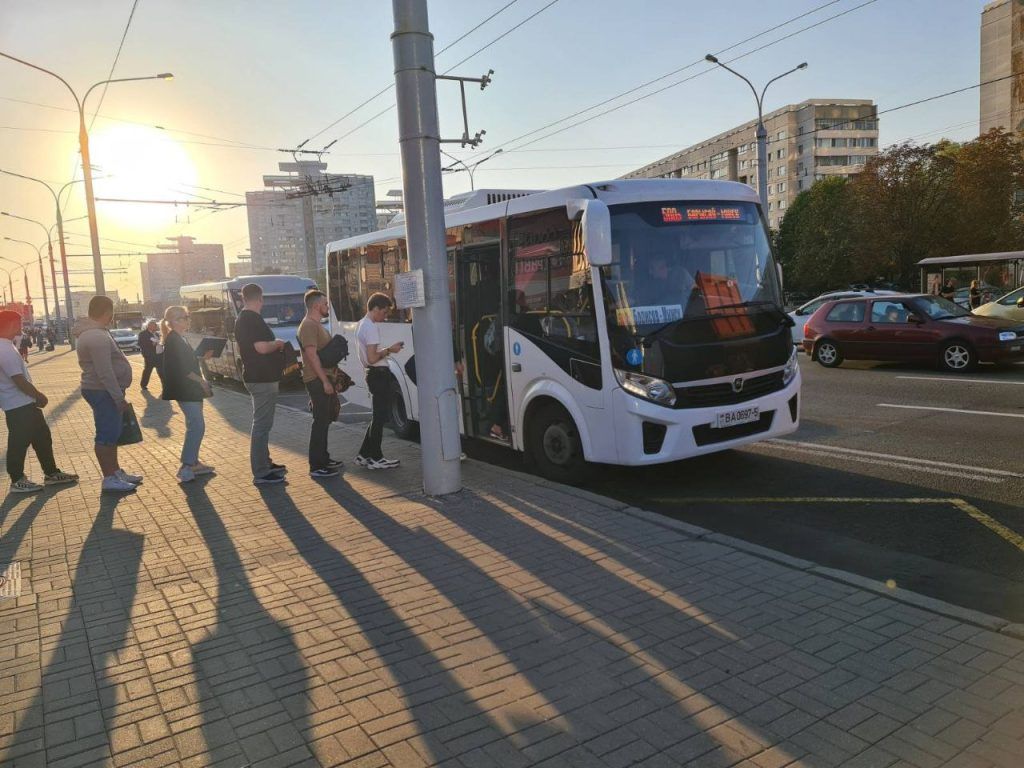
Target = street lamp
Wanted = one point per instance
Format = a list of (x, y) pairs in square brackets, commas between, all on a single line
[(762, 132), (10, 284), (22, 267), (468, 168), (83, 145), (42, 275), (60, 238)]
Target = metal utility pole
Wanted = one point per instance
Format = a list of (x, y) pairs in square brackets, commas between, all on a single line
[(762, 132), (419, 138)]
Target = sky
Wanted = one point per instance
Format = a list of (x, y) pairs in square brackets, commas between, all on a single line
[(254, 76)]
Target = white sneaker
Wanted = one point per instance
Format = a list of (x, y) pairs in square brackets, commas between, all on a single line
[(186, 475), (389, 463), (116, 484), (133, 479)]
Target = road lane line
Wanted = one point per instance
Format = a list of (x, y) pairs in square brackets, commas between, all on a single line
[(890, 463), (952, 410), (1007, 534), (961, 380), (896, 457)]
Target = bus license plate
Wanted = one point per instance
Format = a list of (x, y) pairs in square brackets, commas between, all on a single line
[(733, 418)]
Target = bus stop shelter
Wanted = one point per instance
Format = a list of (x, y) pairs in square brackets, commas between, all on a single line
[(1001, 272)]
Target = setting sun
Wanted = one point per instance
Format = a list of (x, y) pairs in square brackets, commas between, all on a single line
[(139, 162)]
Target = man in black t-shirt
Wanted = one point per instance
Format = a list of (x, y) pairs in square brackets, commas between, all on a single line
[(262, 363)]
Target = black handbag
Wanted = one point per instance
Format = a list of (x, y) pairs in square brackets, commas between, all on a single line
[(131, 431), (333, 352)]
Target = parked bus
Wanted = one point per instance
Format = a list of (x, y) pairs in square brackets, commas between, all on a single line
[(628, 322), (213, 309)]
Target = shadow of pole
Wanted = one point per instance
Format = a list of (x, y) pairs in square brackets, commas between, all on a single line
[(248, 662), (75, 707), (441, 707)]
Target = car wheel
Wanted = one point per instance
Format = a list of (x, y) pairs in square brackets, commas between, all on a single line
[(957, 356), (401, 424), (553, 446), (827, 353)]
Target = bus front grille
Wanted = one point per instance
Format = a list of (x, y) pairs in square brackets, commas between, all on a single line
[(711, 395)]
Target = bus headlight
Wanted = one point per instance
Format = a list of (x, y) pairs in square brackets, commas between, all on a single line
[(647, 387), (792, 366)]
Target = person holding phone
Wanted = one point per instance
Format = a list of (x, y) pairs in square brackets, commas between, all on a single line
[(374, 357)]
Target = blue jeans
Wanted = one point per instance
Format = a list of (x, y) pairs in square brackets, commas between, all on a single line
[(195, 428)]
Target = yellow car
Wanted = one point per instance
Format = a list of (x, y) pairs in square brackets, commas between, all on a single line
[(1010, 306)]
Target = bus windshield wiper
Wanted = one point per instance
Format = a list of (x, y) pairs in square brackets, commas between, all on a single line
[(745, 304)]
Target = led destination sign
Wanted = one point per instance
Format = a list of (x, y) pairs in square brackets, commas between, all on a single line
[(681, 214)]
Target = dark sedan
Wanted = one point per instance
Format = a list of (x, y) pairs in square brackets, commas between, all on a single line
[(913, 328)]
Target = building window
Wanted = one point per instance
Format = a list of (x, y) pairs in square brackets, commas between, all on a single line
[(782, 204), (800, 149), (781, 187), (780, 154), (780, 171), (799, 185), (770, 205), (742, 149), (780, 135)]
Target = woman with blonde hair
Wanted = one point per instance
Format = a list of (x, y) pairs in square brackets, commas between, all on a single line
[(183, 381)]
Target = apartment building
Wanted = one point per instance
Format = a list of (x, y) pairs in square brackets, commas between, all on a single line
[(183, 262), (809, 141), (303, 209), (1002, 44)]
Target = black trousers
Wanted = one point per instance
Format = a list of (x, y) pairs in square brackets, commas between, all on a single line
[(26, 426), (152, 364), (322, 418), (378, 381)]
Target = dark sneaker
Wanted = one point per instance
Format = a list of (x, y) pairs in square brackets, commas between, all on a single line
[(335, 463), (280, 469), (60, 478), (25, 486), (322, 473), (271, 478)]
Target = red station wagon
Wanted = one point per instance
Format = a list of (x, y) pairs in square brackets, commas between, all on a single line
[(913, 328)]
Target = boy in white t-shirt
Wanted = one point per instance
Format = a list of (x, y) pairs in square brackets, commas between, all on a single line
[(22, 404), (378, 380)]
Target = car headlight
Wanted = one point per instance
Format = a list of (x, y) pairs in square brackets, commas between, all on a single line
[(1007, 336), (647, 387), (792, 366)]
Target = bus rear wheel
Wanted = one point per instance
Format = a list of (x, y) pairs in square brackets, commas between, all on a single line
[(401, 424), (554, 447)]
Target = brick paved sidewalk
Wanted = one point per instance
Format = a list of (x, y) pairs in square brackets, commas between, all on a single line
[(355, 622)]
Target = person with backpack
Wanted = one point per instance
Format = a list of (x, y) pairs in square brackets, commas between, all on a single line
[(321, 384)]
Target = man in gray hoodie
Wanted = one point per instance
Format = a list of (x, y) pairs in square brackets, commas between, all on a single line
[(106, 374)]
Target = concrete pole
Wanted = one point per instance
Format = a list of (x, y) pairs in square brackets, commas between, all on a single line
[(762, 161), (90, 204), (419, 138), (42, 288), (64, 269), (53, 279)]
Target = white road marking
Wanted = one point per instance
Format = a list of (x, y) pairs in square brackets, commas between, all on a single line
[(888, 463), (895, 457), (961, 380), (952, 410)]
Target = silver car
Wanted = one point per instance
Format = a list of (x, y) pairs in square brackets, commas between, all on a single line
[(126, 339)]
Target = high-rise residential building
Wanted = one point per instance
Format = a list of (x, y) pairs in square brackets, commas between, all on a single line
[(183, 263), (291, 222), (1002, 53), (809, 141), (80, 301)]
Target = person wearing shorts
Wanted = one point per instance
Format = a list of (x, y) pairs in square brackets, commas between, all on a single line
[(106, 375)]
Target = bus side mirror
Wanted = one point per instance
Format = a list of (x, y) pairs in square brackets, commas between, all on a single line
[(597, 229)]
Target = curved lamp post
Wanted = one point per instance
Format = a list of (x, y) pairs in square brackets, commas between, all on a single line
[(42, 275), (83, 144), (762, 132)]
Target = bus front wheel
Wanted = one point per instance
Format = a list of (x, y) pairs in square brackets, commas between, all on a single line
[(553, 445), (401, 424)]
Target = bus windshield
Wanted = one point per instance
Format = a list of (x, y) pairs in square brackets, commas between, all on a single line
[(284, 309), (676, 261)]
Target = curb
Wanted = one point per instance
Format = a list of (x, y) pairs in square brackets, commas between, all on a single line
[(897, 594)]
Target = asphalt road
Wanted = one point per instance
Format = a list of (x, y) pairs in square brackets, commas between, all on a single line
[(897, 473), (931, 499)]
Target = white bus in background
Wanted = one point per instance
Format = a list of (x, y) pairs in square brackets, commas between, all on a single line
[(625, 322), (213, 309)]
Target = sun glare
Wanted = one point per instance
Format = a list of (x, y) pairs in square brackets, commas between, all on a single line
[(140, 163)]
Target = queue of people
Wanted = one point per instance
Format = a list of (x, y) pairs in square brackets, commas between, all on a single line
[(106, 376)]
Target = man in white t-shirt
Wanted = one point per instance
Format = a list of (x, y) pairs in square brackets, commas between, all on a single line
[(22, 404), (374, 358)]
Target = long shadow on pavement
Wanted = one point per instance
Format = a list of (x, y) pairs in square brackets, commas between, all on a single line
[(248, 662), (72, 715), (440, 706), (156, 415)]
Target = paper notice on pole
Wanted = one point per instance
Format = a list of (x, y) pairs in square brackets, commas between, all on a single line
[(409, 290)]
